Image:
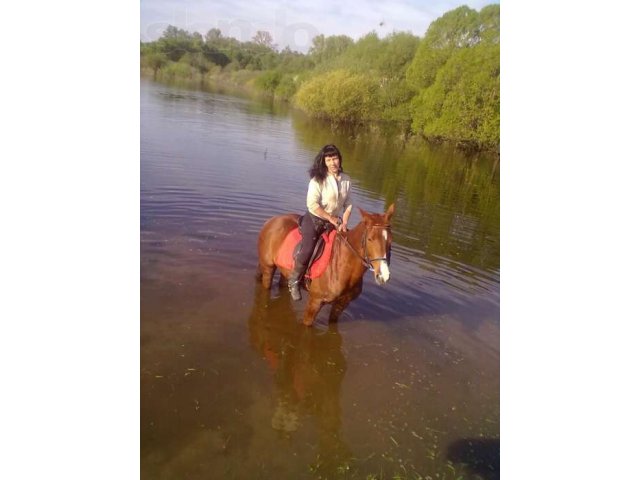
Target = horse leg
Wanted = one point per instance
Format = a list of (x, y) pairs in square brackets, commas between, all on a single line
[(313, 307), (266, 273), (338, 307), (342, 302)]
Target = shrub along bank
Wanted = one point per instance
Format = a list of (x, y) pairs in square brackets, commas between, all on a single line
[(444, 86)]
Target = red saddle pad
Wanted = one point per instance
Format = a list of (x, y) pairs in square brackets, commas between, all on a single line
[(285, 254)]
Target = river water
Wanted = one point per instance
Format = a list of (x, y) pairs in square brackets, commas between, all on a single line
[(406, 384)]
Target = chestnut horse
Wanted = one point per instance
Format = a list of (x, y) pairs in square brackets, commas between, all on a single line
[(367, 246)]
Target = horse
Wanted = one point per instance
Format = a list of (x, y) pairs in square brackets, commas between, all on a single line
[(365, 247)]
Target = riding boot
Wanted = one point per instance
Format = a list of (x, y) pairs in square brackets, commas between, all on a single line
[(294, 280)]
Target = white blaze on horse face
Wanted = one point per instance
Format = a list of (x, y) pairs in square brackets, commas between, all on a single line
[(384, 271), (384, 266)]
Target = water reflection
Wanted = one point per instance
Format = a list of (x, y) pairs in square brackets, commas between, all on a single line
[(307, 366), (448, 201)]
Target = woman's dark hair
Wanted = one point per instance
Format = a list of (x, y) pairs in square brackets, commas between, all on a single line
[(319, 169)]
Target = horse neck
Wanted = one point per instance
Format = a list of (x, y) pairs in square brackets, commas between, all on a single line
[(354, 237)]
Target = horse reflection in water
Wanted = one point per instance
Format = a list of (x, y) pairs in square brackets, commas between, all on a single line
[(308, 367), (367, 246)]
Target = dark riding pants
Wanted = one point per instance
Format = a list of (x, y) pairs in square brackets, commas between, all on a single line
[(312, 227)]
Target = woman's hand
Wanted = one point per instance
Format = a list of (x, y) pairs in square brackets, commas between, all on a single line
[(338, 223)]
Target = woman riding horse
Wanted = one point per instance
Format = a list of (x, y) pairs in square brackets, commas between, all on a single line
[(328, 195), (366, 247)]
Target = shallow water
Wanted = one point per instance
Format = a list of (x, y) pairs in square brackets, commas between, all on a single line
[(232, 385)]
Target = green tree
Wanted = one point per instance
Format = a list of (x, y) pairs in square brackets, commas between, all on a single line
[(196, 60), (269, 81), (324, 49), (214, 35), (175, 42), (264, 38), (340, 96), (464, 101), (489, 24), (362, 55), (215, 55), (455, 29), (396, 54), (155, 61), (291, 62)]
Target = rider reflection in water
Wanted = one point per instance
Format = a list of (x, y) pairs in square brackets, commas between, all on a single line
[(328, 196)]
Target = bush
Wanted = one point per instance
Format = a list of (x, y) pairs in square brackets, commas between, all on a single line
[(287, 88), (154, 61), (269, 81), (464, 102), (177, 70), (339, 95)]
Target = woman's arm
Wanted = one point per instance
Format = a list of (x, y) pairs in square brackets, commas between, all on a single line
[(314, 194), (345, 219), (348, 205), (320, 212)]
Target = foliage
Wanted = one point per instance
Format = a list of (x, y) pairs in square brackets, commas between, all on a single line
[(383, 62), (456, 29), (287, 87), (198, 61), (177, 70), (446, 85), (154, 60), (396, 54), (394, 98), (325, 49), (464, 102), (293, 62), (269, 81), (175, 42), (339, 96), (456, 71), (264, 38)]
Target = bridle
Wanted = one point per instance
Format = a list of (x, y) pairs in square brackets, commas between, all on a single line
[(366, 261)]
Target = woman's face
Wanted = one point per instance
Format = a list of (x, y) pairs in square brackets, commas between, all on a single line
[(333, 164)]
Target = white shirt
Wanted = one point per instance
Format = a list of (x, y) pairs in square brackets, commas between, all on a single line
[(333, 196)]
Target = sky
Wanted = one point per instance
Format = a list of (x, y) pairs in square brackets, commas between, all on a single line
[(294, 23)]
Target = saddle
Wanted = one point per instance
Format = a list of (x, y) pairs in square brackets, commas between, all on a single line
[(321, 251)]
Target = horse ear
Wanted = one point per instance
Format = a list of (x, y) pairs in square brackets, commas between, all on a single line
[(366, 216), (390, 210)]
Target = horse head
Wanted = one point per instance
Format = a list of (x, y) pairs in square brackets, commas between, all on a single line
[(377, 243)]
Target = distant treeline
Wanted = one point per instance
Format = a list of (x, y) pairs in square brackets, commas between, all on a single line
[(445, 86)]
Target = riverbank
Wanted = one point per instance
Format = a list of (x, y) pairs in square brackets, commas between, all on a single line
[(444, 87), (234, 83)]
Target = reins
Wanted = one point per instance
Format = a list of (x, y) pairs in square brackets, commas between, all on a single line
[(366, 262)]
